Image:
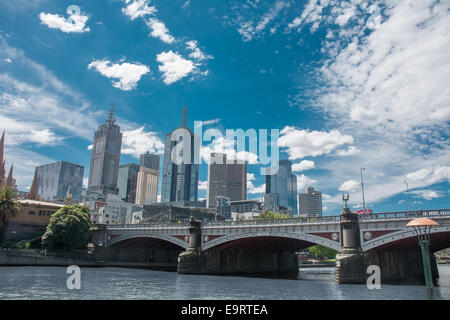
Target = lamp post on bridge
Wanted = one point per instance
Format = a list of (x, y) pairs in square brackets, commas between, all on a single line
[(422, 227)]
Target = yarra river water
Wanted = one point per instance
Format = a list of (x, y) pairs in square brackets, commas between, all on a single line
[(122, 283)]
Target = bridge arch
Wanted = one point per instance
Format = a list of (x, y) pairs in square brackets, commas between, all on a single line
[(178, 242), (406, 239), (308, 238)]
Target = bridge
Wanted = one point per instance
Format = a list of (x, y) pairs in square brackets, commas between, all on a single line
[(265, 246)]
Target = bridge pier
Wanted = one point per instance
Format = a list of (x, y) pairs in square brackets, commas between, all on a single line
[(191, 261), (352, 262)]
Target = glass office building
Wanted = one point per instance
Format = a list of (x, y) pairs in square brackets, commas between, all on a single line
[(284, 183), (55, 179)]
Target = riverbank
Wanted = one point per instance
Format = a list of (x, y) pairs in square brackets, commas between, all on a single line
[(29, 258)]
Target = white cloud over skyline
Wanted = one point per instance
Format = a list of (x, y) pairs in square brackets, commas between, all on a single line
[(128, 74), (75, 22), (173, 66)]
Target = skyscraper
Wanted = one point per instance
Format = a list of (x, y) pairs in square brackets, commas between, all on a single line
[(285, 184), (310, 202), (105, 159), (147, 186), (127, 182), (150, 161), (148, 179), (217, 179), (237, 181), (180, 178), (225, 180), (55, 179)]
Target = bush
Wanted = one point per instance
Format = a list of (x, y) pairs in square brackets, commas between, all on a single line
[(68, 228), (321, 252)]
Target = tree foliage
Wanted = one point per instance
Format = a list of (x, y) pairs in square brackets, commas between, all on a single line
[(68, 228), (269, 215), (8, 207), (321, 252)]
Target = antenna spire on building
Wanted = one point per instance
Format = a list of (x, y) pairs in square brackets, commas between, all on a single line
[(111, 118), (184, 117)]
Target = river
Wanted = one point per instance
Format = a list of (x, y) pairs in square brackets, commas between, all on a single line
[(123, 283)]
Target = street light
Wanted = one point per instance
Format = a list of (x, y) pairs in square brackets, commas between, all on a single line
[(362, 189), (407, 194), (422, 227)]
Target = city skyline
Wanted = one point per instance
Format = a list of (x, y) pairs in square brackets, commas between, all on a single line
[(327, 133)]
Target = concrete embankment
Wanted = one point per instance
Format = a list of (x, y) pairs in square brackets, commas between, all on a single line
[(8, 259)]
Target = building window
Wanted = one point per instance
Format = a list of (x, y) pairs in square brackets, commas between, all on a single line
[(31, 213)]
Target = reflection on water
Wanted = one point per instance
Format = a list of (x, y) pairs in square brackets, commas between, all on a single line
[(122, 283)]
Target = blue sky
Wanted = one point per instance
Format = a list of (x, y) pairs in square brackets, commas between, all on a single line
[(349, 84)]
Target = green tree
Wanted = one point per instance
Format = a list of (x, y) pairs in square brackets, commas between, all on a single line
[(8, 207), (68, 228), (269, 215), (321, 252)]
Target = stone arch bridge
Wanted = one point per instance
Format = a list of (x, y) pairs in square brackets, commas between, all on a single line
[(268, 246)]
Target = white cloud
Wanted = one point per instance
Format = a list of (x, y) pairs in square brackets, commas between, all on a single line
[(44, 137), (138, 8), (76, 22), (430, 175), (383, 81), (427, 194), (174, 67), (253, 28), (351, 151), (196, 53), (303, 166), (8, 60), (304, 181), (210, 122), (159, 30), (138, 141), (252, 189), (203, 185), (392, 79), (90, 147), (302, 143), (128, 74), (349, 186)]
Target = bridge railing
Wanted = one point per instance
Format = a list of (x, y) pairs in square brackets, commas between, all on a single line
[(405, 214), (181, 224), (303, 220)]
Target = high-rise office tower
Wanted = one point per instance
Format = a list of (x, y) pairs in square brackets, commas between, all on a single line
[(217, 179), (148, 179), (127, 182), (285, 184), (147, 186), (310, 202), (105, 159), (55, 179), (150, 161), (225, 180), (237, 181), (180, 178)]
